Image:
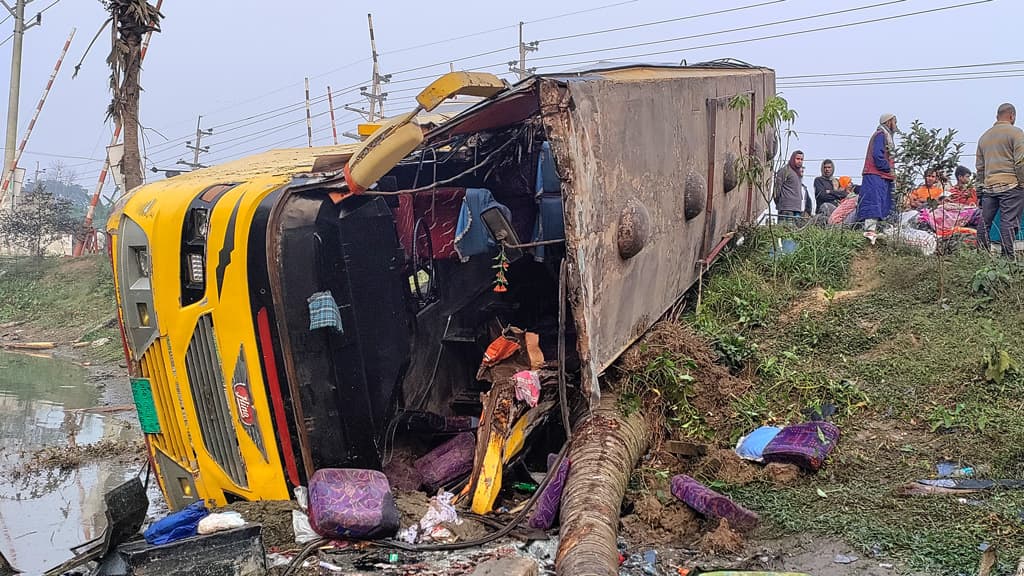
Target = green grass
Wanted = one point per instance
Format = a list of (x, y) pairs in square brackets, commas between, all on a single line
[(920, 370), (59, 298)]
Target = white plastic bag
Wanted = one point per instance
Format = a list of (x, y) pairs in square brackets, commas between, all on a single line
[(220, 521), (441, 511), (302, 497), (300, 525)]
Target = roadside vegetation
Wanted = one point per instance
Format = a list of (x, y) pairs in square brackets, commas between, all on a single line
[(63, 300), (811, 321)]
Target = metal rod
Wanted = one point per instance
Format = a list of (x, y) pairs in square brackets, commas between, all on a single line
[(9, 177)]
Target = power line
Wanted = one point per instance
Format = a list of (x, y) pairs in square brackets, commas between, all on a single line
[(399, 50), (773, 36), (727, 31), (657, 22), (899, 82), (983, 73), (958, 66)]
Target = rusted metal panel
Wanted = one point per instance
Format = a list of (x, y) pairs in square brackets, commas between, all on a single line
[(620, 143)]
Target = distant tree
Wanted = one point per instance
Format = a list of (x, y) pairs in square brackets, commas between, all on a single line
[(39, 220)]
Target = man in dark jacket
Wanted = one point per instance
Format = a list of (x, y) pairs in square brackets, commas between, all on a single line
[(826, 189), (789, 192)]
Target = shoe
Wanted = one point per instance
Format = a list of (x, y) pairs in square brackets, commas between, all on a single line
[(871, 236)]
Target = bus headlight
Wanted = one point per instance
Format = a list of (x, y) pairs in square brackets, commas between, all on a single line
[(196, 269)]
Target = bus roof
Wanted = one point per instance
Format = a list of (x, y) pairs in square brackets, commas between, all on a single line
[(282, 162)]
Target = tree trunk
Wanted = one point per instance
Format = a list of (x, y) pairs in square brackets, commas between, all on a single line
[(604, 450), (131, 164)]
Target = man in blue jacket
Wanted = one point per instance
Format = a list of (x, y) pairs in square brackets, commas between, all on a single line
[(878, 179)]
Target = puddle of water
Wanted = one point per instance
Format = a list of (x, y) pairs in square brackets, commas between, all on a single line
[(43, 515)]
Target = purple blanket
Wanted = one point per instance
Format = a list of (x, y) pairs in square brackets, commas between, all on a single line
[(807, 445), (550, 499)]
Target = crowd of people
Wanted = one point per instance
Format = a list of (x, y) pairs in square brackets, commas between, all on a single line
[(982, 205)]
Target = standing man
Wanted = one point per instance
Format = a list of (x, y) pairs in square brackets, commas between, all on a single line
[(878, 177), (1001, 171), (789, 193)]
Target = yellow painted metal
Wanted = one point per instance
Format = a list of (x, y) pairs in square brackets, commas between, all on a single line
[(451, 84), (489, 484), (368, 128), (160, 210), (381, 151)]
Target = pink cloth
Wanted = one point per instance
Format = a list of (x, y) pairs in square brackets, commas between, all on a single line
[(845, 208)]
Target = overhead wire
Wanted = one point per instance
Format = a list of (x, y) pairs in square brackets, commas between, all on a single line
[(658, 22), (264, 116), (884, 82), (772, 36), (726, 31)]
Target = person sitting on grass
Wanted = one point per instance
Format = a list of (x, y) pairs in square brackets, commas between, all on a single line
[(930, 190)]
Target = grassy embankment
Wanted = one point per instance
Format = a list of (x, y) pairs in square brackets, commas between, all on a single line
[(915, 378), (62, 300)]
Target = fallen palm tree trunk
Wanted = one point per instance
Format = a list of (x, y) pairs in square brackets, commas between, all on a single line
[(604, 450)]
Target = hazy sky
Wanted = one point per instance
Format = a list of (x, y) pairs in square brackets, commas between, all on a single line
[(233, 61)]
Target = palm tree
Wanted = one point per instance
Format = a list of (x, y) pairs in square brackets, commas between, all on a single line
[(131, 20)]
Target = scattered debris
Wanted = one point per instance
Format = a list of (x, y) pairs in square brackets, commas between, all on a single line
[(683, 448), (300, 526), (30, 345), (726, 466), (512, 566), (845, 559), (655, 523), (431, 528), (220, 521), (948, 469), (63, 458), (273, 515), (711, 503), (807, 445), (176, 526), (751, 446), (988, 561), (99, 342), (782, 474), (723, 540)]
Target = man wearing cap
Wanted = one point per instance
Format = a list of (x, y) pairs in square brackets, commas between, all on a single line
[(1000, 169), (878, 177)]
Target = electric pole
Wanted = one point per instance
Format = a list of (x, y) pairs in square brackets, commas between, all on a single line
[(524, 48), (14, 95), (375, 96), (198, 148)]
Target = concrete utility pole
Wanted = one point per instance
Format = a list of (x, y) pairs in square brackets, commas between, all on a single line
[(524, 48), (198, 148), (309, 118), (334, 125), (14, 95)]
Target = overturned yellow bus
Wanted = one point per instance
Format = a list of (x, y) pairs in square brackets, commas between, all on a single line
[(280, 311)]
